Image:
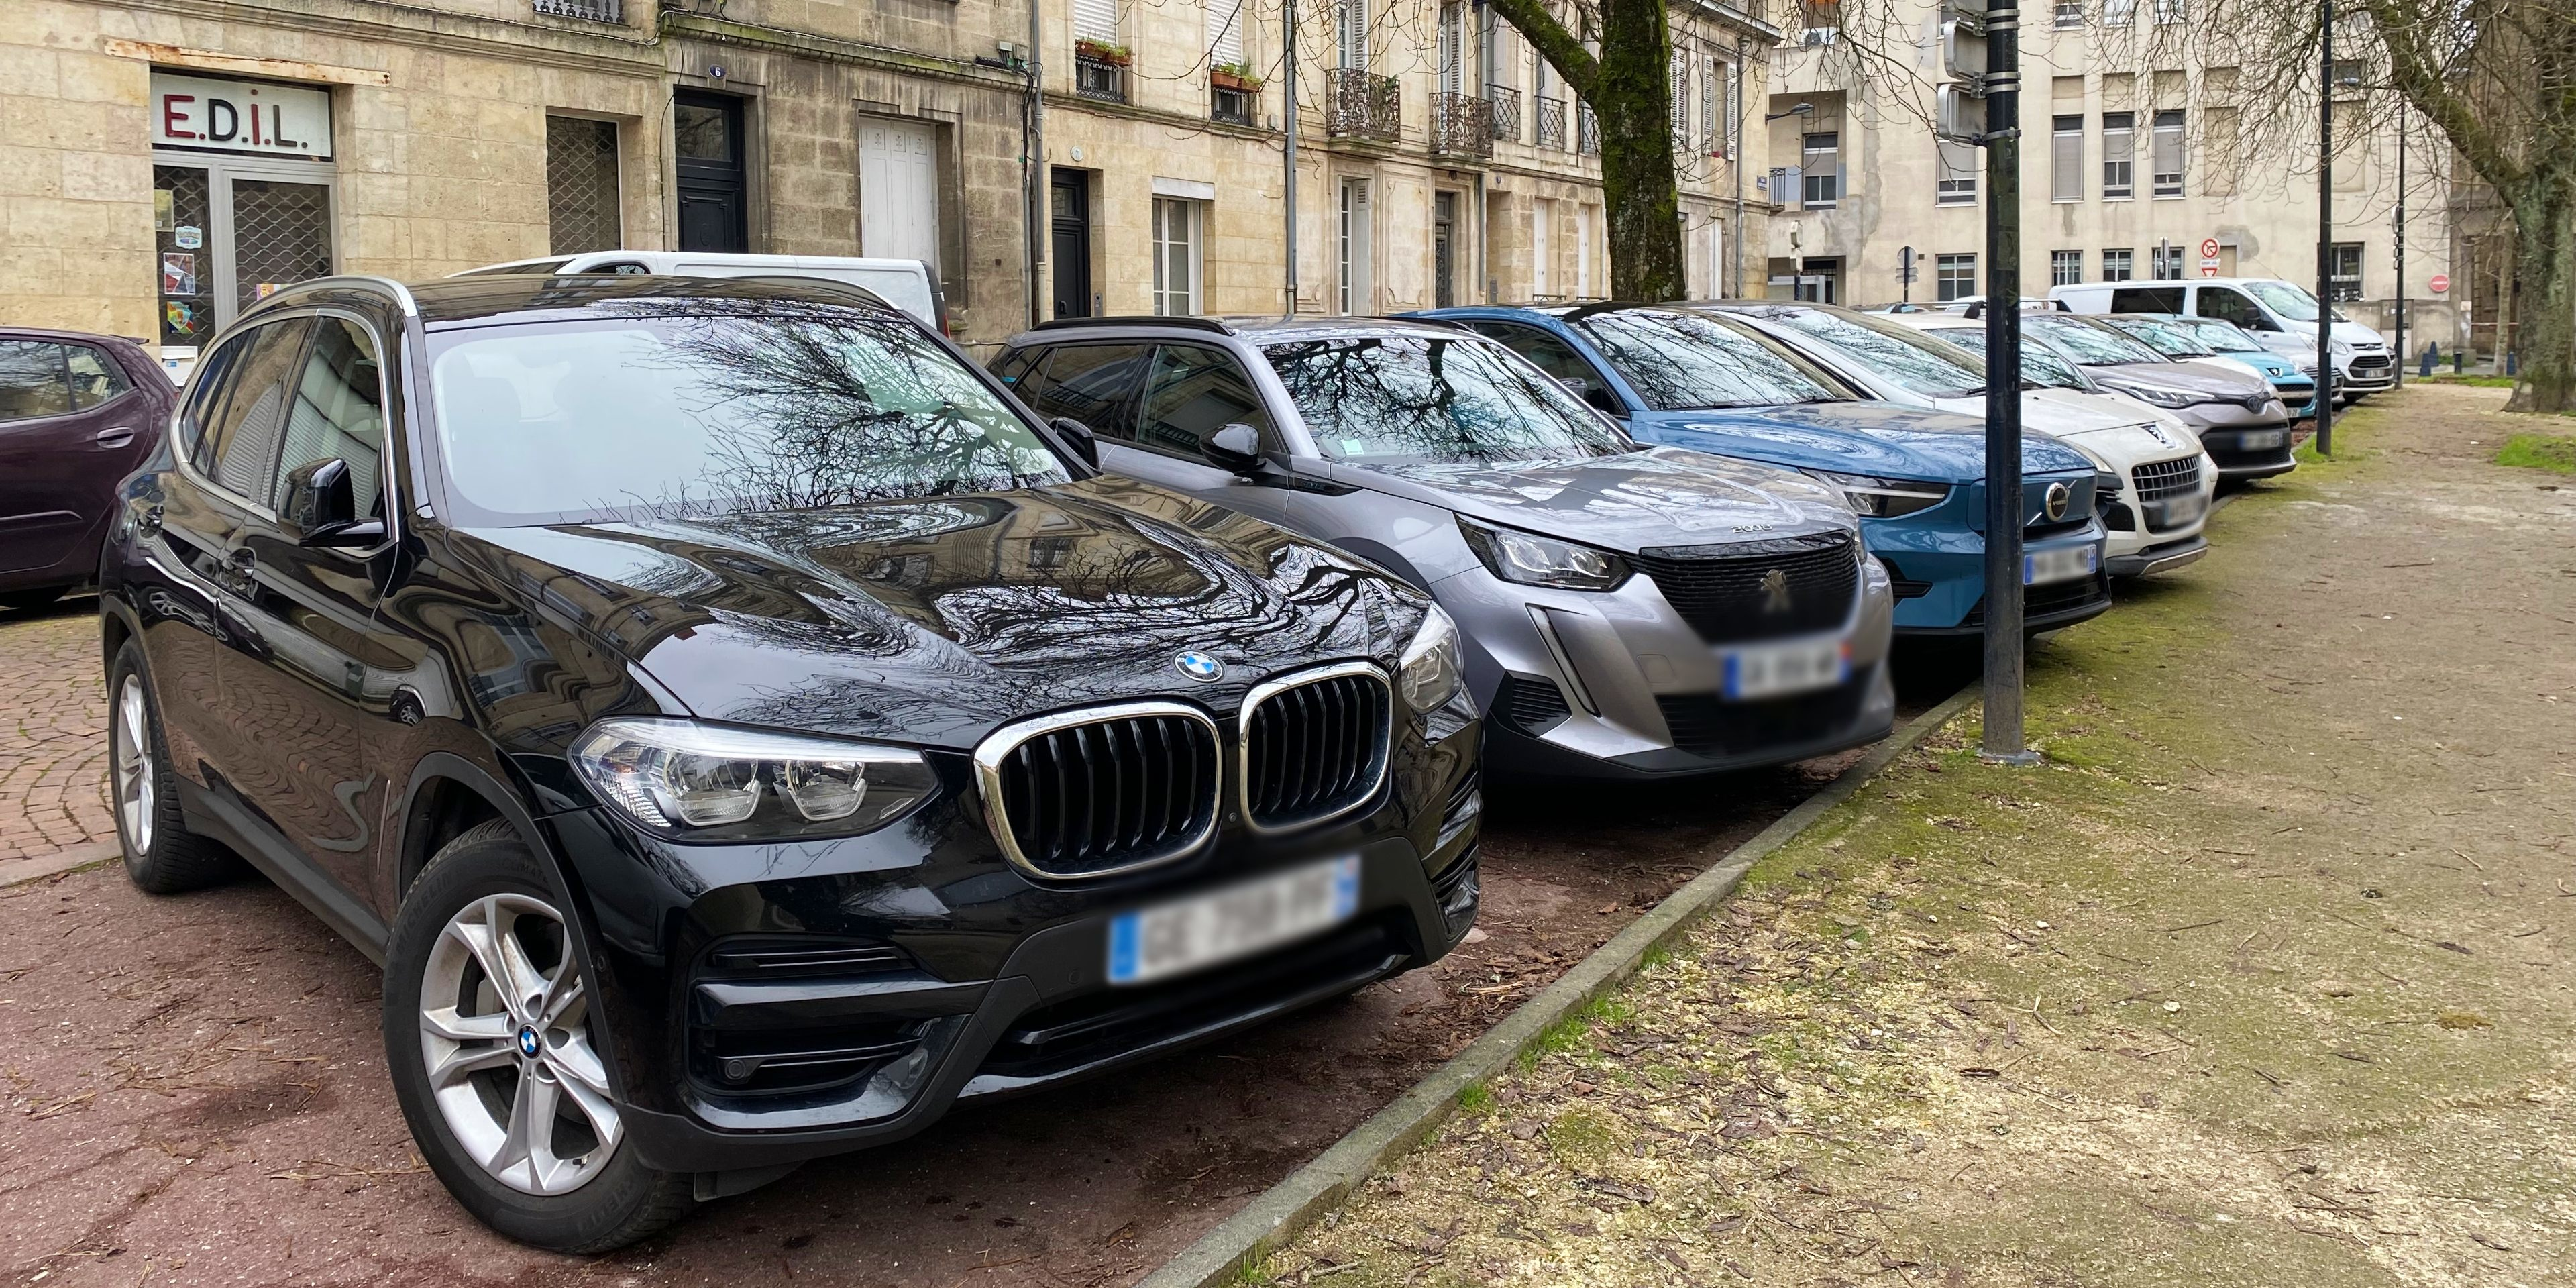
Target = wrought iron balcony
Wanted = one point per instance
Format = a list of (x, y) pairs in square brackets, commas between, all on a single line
[(1551, 122), (1461, 126), (591, 10), (1588, 131), (1506, 103), (1230, 105), (1099, 78), (1363, 106)]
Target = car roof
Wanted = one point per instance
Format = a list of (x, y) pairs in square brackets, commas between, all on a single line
[(1254, 330), (459, 301), (55, 333)]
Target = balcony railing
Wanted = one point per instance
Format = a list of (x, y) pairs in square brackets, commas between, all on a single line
[(590, 10), (1099, 78), (1231, 106), (1363, 106), (1506, 103), (1588, 131), (1461, 126), (1551, 122)]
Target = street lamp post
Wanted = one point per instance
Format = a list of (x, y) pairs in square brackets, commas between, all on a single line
[(2325, 228)]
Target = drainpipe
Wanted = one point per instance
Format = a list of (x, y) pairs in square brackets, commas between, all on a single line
[(1735, 155), (1034, 164), (1288, 97)]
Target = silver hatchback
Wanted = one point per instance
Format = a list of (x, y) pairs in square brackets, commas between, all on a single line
[(1626, 612)]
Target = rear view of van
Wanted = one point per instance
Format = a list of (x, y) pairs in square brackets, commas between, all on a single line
[(907, 284)]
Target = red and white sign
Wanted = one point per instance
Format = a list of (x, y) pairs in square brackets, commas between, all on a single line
[(205, 113), (2208, 269), (2209, 248), (2441, 283)]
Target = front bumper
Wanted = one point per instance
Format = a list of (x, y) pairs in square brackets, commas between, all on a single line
[(2165, 556), (2044, 608), (2365, 373), (2238, 460), (1941, 573)]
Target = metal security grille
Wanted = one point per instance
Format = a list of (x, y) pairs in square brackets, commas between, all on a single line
[(281, 236), (581, 186), (187, 272), (2160, 479)]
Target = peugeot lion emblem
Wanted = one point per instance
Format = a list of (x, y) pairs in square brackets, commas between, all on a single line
[(1199, 666), (2058, 495), (1775, 591)]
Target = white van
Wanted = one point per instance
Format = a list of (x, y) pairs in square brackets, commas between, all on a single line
[(2282, 315), (907, 284)]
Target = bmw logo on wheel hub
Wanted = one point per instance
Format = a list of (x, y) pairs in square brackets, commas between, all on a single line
[(528, 1044), (1199, 666)]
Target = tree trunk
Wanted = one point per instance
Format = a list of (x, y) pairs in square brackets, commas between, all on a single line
[(2544, 220), (1632, 95)]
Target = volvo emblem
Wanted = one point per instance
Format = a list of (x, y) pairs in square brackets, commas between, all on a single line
[(528, 1044), (1775, 591), (2058, 496), (1199, 666)]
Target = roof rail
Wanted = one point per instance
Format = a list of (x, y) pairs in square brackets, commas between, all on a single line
[(1138, 319), (402, 293)]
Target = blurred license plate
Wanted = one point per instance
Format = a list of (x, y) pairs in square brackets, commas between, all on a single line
[(2257, 440), (2178, 511), (2040, 567), (1776, 669), (1237, 921)]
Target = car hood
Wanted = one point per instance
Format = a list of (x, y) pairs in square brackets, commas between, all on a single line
[(1852, 438), (2061, 414), (2229, 383), (2262, 362), (1659, 497), (931, 621), (2360, 334)]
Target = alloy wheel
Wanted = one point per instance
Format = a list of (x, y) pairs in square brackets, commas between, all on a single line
[(131, 736), (505, 1033)]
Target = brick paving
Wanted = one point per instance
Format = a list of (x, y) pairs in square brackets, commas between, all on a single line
[(53, 734)]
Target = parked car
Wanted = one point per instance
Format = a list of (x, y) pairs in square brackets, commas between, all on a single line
[(77, 414), (2210, 340), (2283, 315), (2238, 415), (2155, 482), (1688, 378), (907, 284), (743, 732), (1626, 611), (1975, 305)]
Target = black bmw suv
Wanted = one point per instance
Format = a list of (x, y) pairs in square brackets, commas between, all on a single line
[(742, 730)]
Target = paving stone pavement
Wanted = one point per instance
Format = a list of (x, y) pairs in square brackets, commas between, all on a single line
[(53, 737)]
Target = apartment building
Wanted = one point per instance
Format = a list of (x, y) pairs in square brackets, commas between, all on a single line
[(2136, 158)]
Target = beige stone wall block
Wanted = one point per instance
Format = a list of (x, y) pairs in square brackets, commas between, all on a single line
[(98, 78), (107, 176)]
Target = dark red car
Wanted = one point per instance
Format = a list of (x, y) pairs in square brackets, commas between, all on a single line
[(77, 414)]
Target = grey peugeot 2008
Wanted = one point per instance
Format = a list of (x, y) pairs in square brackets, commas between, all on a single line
[(1626, 612)]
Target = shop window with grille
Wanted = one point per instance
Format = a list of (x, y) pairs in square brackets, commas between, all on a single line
[(281, 235), (581, 186)]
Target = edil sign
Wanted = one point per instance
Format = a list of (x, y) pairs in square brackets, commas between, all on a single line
[(240, 116)]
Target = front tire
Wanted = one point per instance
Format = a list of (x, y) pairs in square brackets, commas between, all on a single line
[(161, 854), (494, 1050)]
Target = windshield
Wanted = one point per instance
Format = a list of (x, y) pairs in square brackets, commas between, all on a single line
[(1679, 361), (2039, 365), (2092, 345), (1425, 398), (2166, 338), (2288, 300), (682, 409), (2221, 336), (1895, 352)]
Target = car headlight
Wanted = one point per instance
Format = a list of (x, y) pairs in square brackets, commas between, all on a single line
[(698, 782), (1429, 671), (2106, 485), (2339, 348), (1529, 559), (2155, 397), (1882, 498)]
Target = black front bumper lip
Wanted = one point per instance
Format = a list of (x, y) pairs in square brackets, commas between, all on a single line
[(2030, 625)]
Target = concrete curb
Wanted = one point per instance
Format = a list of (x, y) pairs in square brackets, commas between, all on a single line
[(21, 871), (1290, 1206)]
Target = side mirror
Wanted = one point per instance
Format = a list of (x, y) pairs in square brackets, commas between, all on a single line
[(322, 507), (1079, 437), (1593, 396), (1235, 448)]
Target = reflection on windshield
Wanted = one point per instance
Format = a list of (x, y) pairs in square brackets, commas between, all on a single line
[(1898, 353), (2289, 301), (2220, 336), (2165, 338), (2089, 344), (702, 407), (2038, 365), (1680, 361), (1411, 397)]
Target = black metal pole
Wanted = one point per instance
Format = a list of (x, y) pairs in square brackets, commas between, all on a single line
[(2325, 230), (2003, 680), (2397, 249)]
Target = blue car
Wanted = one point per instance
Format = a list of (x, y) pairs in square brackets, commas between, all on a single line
[(2219, 340), (1701, 380)]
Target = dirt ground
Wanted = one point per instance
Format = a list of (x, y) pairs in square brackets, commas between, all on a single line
[(2262, 979), (189, 1090)]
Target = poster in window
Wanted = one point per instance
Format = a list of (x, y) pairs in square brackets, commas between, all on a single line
[(178, 319), (178, 273), (165, 214), (187, 237)]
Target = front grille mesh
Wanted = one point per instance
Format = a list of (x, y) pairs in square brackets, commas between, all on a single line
[(2157, 480), (1706, 724), (1531, 703), (1111, 793), (1315, 749), (1730, 592)]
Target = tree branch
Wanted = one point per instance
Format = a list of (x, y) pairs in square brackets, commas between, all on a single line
[(2412, 68), (1562, 49)]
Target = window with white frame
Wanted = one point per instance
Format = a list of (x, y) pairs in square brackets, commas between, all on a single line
[(1096, 21), (1351, 250), (2164, 263), (2119, 139), (2065, 267), (1958, 182), (2116, 266), (1822, 174), (1712, 107), (1225, 33), (2173, 10), (2343, 279), (2166, 152), (1954, 276), (2066, 158), (1352, 36), (2118, 13), (1177, 255), (1681, 74), (2070, 13)]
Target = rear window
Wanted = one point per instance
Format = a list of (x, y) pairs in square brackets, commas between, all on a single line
[(2038, 365), (1682, 361), (1895, 352)]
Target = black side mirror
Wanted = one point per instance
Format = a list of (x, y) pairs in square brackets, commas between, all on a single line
[(1079, 437), (1235, 448), (322, 507), (1593, 396)]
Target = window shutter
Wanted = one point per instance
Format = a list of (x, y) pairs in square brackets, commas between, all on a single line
[(1096, 20), (1355, 34), (1734, 110), (2066, 159), (1453, 48), (1225, 31), (1681, 99), (1712, 113)]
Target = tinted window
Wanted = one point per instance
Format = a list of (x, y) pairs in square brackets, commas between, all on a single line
[(1095, 384), (1410, 397), (1551, 355), (2229, 306), (205, 395), (2091, 345), (539, 268), (1678, 361), (338, 410), (33, 380), (1194, 393), (1895, 353), (2147, 299), (2038, 365), (95, 376), (239, 450), (677, 411)]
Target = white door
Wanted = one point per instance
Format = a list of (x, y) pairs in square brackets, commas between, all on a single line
[(898, 191), (1542, 279)]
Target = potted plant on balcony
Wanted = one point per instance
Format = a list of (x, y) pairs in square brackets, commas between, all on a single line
[(1234, 76), (1103, 52)]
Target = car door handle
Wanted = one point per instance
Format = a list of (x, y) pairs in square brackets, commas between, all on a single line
[(111, 439)]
